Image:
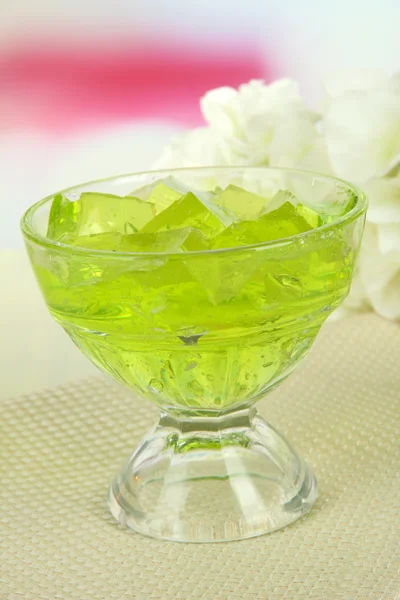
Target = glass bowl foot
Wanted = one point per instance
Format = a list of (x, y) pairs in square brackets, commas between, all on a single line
[(212, 480)]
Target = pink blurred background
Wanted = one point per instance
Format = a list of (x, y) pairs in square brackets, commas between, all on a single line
[(90, 89), (61, 91)]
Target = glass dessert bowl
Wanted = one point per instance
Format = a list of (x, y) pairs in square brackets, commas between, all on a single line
[(201, 290)]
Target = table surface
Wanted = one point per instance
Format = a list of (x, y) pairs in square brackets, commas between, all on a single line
[(60, 448)]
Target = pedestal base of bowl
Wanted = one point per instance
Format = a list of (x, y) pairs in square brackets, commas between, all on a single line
[(212, 480)]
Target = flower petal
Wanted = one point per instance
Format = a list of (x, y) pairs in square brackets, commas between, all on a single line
[(195, 148), (389, 238), (357, 299), (215, 107), (376, 269), (316, 158), (292, 139), (385, 301), (363, 133), (384, 200)]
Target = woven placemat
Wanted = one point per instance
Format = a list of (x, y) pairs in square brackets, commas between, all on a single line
[(60, 448)]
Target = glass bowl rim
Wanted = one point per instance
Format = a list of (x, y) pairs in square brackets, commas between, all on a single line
[(42, 240)]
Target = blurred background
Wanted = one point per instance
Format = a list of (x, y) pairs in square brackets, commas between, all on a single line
[(94, 88)]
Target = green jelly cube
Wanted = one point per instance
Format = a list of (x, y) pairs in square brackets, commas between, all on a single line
[(142, 212), (280, 223), (97, 213), (63, 218), (169, 182), (313, 218), (169, 273), (162, 241), (224, 275), (161, 195), (279, 200), (242, 203), (163, 192), (148, 271), (195, 242), (165, 241), (332, 209), (98, 241), (189, 211)]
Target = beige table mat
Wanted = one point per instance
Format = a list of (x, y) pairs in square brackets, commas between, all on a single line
[(341, 409)]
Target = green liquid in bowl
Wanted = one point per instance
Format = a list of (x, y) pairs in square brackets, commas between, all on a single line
[(184, 327)]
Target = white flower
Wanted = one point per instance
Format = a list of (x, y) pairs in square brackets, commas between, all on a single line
[(362, 126), (384, 200), (261, 124), (378, 271), (362, 133), (255, 125), (195, 148), (377, 281)]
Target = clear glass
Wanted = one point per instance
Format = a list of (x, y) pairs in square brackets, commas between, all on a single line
[(205, 335)]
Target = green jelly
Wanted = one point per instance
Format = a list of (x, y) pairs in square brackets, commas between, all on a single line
[(189, 211), (159, 194), (280, 223), (98, 241), (333, 210), (312, 217), (225, 274), (195, 242), (163, 192), (162, 241), (242, 203), (186, 326), (97, 213), (63, 218), (186, 239), (279, 200)]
